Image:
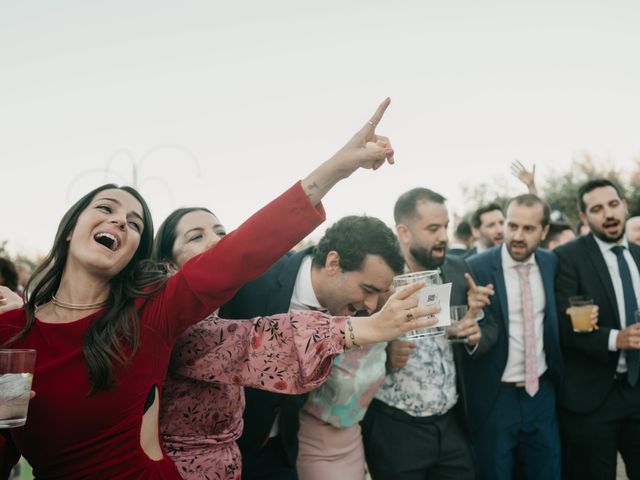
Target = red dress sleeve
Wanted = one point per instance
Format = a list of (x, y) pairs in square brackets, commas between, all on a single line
[(210, 279), (286, 353)]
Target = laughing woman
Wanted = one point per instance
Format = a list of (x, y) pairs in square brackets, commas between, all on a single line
[(103, 318)]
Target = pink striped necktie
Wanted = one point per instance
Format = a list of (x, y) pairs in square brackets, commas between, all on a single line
[(531, 384)]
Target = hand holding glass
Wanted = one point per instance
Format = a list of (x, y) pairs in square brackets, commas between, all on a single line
[(430, 277), (16, 372)]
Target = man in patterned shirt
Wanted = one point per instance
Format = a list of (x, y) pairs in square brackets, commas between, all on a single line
[(416, 428)]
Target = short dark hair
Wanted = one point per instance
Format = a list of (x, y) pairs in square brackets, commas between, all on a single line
[(9, 274), (530, 199), (166, 236), (406, 204), (475, 218), (555, 229), (356, 236), (592, 185), (463, 231)]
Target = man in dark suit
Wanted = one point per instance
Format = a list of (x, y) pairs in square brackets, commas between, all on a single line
[(415, 428), (512, 389), (600, 400), (346, 273)]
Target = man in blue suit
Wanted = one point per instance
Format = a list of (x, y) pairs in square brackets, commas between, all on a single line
[(512, 388), (348, 272)]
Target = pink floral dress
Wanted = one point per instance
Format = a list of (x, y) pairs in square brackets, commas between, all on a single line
[(203, 395)]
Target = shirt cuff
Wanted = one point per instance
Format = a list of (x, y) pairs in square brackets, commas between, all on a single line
[(613, 338)]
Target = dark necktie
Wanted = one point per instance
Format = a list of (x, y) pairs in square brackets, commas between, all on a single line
[(630, 307)]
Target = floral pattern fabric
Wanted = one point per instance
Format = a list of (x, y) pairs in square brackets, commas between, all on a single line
[(343, 399), (203, 396), (427, 384)]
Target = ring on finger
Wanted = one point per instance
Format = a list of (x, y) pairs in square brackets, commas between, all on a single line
[(410, 315), (372, 123)]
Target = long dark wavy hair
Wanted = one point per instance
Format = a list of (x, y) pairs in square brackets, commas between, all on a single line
[(114, 336)]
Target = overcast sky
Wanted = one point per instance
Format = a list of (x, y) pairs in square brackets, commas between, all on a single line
[(226, 103)]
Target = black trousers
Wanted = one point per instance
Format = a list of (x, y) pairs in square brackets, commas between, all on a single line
[(401, 447), (269, 463), (592, 440)]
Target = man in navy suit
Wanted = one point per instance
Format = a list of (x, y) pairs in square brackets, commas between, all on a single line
[(512, 388), (600, 401), (347, 272)]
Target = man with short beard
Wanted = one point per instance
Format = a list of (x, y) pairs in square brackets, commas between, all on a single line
[(415, 427), (600, 405), (512, 388)]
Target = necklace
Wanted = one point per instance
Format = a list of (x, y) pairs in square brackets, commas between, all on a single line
[(77, 306)]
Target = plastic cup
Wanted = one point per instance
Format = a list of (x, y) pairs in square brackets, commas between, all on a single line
[(430, 277), (16, 373), (580, 311)]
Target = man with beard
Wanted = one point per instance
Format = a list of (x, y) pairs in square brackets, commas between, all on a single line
[(486, 226), (600, 401), (512, 411), (415, 427)]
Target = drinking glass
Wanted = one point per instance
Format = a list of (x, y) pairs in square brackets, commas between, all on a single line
[(16, 372), (457, 313), (580, 311), (430, 277)]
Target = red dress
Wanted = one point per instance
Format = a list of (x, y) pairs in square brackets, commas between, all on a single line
[(70, 434)]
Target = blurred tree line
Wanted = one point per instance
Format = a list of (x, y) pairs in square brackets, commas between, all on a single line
[(560, 188)]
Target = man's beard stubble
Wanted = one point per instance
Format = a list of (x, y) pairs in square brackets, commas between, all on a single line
[(602, 235)]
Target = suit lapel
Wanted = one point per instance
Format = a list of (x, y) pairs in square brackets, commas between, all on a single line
[(635, 253), (501, 289), (548, 281), (599, 265), (280, 296)]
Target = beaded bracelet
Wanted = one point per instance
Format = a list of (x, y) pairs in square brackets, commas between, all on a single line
[(351, 334)]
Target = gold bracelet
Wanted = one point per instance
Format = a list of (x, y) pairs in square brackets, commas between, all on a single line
[(351, 334)]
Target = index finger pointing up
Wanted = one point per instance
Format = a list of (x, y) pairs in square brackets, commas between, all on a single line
[(470, 282), (375, 119)]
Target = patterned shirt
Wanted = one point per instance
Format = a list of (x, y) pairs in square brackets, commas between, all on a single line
[(356, 376), (427, 384)]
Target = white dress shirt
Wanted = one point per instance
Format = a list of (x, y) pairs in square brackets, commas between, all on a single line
[(614, 272), (515, 369)]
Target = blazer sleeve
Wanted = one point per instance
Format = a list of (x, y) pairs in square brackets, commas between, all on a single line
[(285, 353), (594, 344), (210, 279), (488, 324)]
